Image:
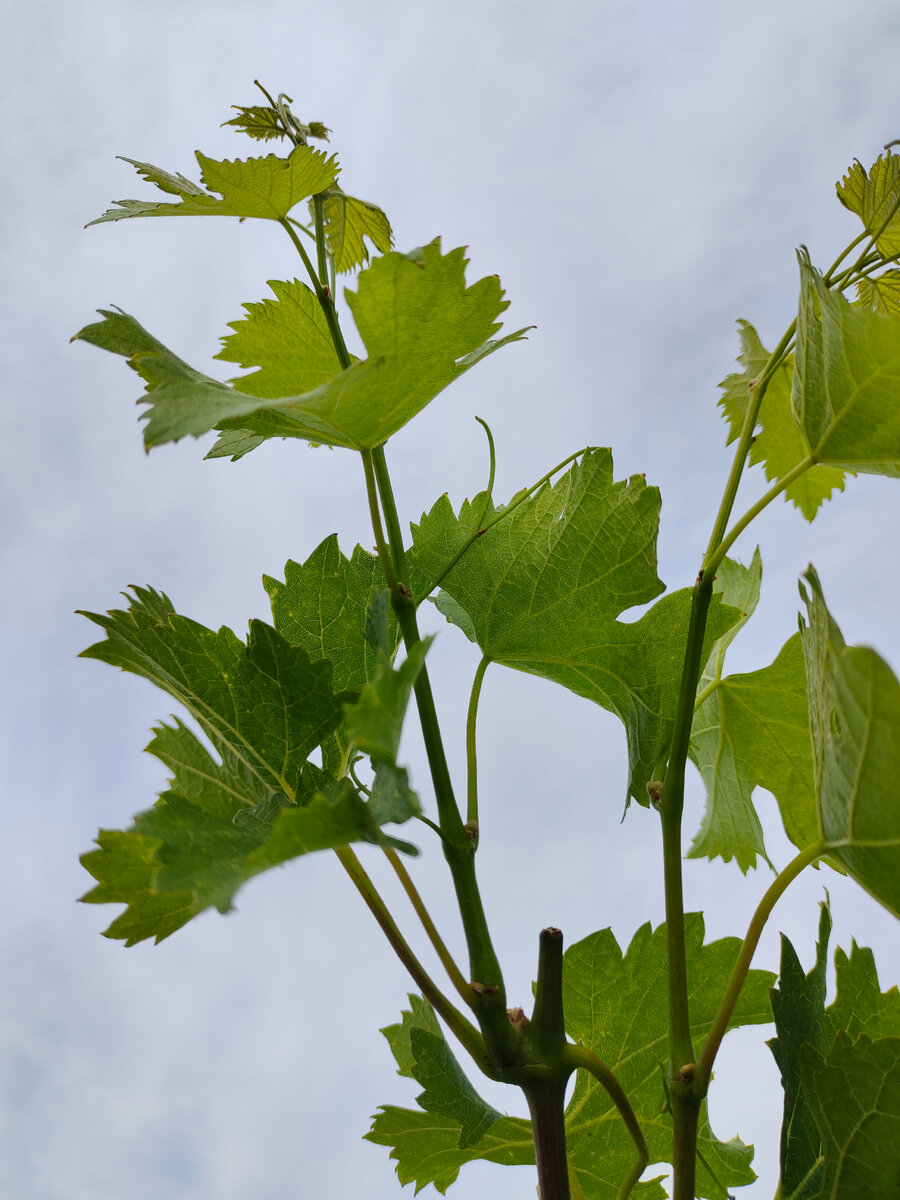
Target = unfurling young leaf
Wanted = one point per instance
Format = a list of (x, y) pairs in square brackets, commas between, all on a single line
[(875, 198), (348, 221), (254, 187)]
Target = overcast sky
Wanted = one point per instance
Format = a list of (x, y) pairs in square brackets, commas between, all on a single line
[(639, 175)]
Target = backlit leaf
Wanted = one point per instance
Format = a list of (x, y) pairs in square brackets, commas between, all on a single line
[(422, 328), (254, 187), (854, 706), (542, 590), (779, 444), (846, 388), (348, 221), (875, 198), (880, 293)]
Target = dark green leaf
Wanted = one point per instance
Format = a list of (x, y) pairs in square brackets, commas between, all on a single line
[(854, 707), (875, 198), (846, 388), (254, 187), (322, 606), (264, 700), (542, 588), (854, 1094)]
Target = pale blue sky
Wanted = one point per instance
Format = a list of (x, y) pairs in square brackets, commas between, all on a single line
[(639, 175)]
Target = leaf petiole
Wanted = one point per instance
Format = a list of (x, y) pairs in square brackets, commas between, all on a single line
[(471, 749)]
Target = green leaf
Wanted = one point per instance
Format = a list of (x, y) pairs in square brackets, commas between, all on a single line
[(322, 606), (431, 1146), (798, 1004), (881, 293), (779, 444), (875, 198), (422, 328), (753, 731), (803, 1022), (289, 336), (542, 588), (846, 388), (257, 121), (738, 587), (348, 221), (616, 1004), (265, 701), (255, 187), (375, 720), (426, 1146), (854, 714), (854, 1094)]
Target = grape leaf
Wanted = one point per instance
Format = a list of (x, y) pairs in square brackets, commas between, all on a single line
[(265, 700), (875, 198), (854, 1094), (422, 328), (542, 588), (798, 1004), (254, 187), (257, 121), (375, 720), (322, 606), (846, 387), (753, 731), (802, 1020), (287, 339), (880, 293), (779, 444), (854, 715), (616, 1004), (348, 221), (737, 586)]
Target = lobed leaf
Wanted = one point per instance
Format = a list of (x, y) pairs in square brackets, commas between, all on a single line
[(779, 444), (422, 328), (875, 198), (254, 187), (880, 293), (854, 714), (348, 221), (846, 387), (616, 1004), (541, 591), (753, 731)]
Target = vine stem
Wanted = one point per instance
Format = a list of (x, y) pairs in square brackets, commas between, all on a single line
[(467, 1034), (456, 976), (732, 994), (581, 1056)]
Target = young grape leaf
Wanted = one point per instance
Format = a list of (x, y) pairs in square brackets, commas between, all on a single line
[(846, 387), (422, 1053), (854, 1094), (854, 716), (322, 606), (287, 339), (542, 589), (880, 293), (875, 198), (738, 587), (616, 1004), (422, 328), (375, 720), (753, 731), (265, 700), (348, 221), (779, 444), (257, 121), (254, 187)]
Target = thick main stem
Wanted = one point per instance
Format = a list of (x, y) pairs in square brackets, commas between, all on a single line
[(546, 1104)]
